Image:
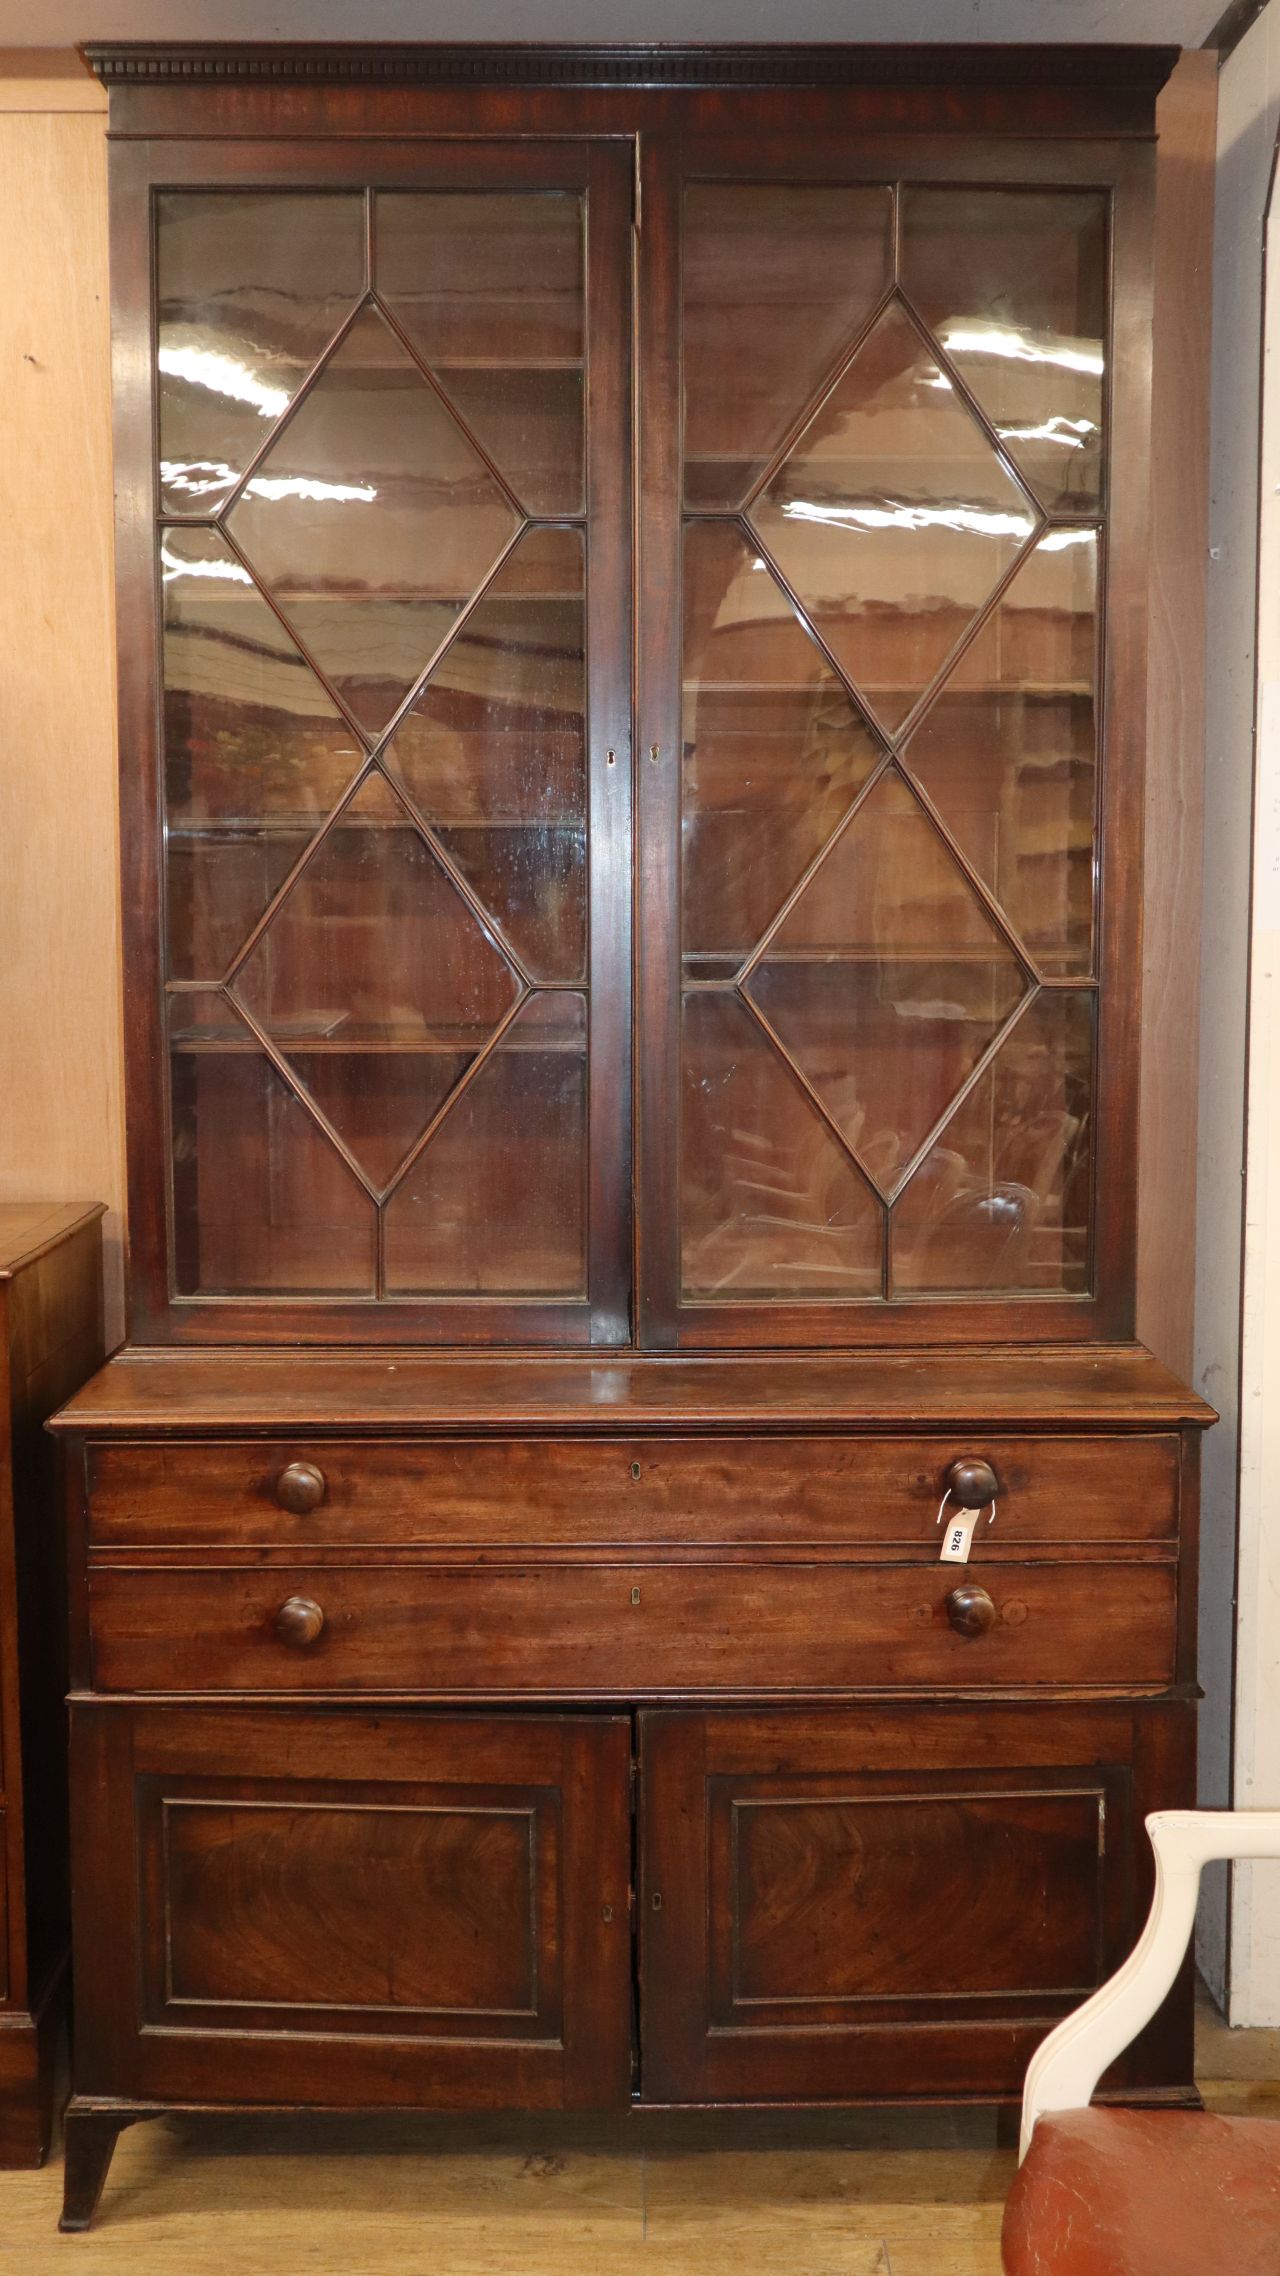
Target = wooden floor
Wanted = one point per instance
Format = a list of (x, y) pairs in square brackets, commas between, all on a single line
[(876, 2194)]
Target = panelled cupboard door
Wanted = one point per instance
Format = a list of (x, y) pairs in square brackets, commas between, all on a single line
[(345, 1909), (894, 432), (375, 486), (853, 1905)]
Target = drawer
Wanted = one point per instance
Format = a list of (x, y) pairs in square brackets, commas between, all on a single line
[(586, 1631), (624, 1493)]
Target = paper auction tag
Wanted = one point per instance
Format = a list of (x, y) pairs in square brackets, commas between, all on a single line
[(957, 1540)]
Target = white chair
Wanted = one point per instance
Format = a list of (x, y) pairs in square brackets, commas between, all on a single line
[(1115, 2190)]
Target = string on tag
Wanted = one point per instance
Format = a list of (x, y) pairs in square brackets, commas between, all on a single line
[(957, 1540)]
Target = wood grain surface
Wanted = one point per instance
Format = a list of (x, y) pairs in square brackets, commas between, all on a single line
[(1106, 1387), (619, 1631), (670, 1494)]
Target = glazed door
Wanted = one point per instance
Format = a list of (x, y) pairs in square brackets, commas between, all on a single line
[(380, 1036), (892, 478), (848, 1905), (339, 1908)]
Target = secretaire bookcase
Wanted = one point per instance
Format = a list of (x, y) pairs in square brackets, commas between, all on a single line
[(632, 1558)]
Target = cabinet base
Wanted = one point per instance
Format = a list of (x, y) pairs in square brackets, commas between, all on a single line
[(29, 2045), (93, 2126)]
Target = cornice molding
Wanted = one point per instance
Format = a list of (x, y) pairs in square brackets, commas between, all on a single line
[(141, 63)]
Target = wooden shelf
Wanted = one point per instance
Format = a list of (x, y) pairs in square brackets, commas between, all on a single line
[(220, 1045), (285, 826)]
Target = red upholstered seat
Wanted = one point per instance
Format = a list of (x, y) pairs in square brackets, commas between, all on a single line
[(1146, 2193)]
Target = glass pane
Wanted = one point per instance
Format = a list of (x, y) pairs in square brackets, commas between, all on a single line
[(217, 886), (778, 279), (372, 521), (489, 288), (250, 287), (888, 979), (1007, 751), (496, 1203), (255, 753), (493, 752), (1001, 1201), (774, 752), (770, 1204), (374, 951), (1014, 284), (263, 1205), (893, 519)]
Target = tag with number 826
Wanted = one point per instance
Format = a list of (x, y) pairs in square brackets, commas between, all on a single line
[(957, 1539)]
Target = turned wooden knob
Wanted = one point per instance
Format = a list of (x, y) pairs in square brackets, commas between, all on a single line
[(972, 1482), (970, 1610), (300, 1488), (300, 1620)]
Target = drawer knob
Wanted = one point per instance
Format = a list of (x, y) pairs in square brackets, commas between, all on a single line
[(300, 1488), (972, 1482), (970, 1610), (299, 1621)]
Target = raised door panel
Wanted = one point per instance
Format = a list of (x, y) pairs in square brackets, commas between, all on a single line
[(848, 1906), (331, 1910)]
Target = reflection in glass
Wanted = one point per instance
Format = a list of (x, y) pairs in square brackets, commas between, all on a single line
[(374, 950), (1007, 750), (255, 753), (774, 752), (887, 980), (249, 729), (893, 518), (489, 288), (778, 278), (263, 1205), (250, 287), (1001, 1201), (372, 521), (493, 752), (496, 1203), (1014, 283), (770, 1204)]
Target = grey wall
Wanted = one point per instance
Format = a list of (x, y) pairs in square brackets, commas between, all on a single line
[(54, 23)]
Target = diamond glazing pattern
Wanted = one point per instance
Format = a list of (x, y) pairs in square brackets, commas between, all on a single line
[(886, 980), (368, 525)]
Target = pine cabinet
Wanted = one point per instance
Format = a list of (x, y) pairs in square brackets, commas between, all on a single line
[(632, 597)]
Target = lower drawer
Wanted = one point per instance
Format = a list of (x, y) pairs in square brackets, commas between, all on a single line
[(610, 1631)]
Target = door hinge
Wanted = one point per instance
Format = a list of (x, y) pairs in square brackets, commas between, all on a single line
[(1102, 1825), (637, 188)]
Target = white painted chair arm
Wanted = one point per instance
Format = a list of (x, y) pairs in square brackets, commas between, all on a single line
[(1067, 2065)]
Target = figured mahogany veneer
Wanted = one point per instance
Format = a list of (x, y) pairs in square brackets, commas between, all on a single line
[(623, 1631), (337, 1908), (984, 1855), (662, 1495)]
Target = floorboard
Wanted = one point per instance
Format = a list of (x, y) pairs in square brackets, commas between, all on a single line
[(864, 2194)]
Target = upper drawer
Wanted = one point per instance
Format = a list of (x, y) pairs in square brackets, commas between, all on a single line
[(625, 1492)]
